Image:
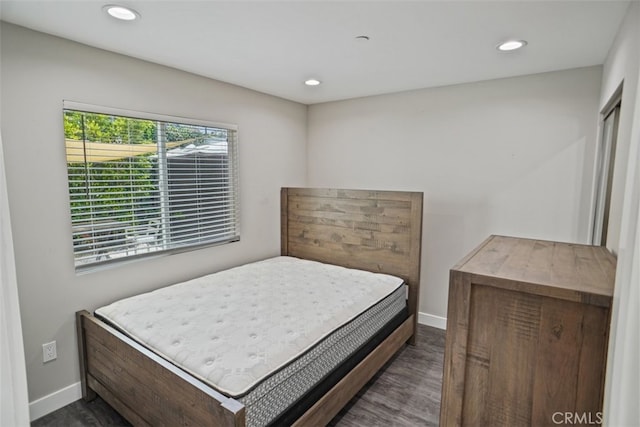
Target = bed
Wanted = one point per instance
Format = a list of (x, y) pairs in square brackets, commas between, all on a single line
[(154, 379)]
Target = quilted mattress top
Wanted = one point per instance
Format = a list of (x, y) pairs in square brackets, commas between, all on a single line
[(234, 328)]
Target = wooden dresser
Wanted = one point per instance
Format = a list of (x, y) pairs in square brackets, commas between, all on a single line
[(527, 333)]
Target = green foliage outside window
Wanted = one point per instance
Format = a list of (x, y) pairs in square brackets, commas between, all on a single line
[(108, 129), (127, 185), (117, 185)]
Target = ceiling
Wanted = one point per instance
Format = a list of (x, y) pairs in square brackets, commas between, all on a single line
[(273, 46)]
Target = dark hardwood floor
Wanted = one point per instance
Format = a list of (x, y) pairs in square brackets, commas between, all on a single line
[(406, 392)]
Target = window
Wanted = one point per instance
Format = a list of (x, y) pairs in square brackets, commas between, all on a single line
[(142, 183)]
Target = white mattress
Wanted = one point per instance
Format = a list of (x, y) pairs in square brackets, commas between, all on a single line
[(235, 328)]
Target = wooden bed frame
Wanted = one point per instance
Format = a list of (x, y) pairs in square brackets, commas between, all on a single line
[(378, 231)]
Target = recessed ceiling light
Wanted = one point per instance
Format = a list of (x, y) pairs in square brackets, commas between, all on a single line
[(312, 82), (121, 12), (510, 45), (362, 38)]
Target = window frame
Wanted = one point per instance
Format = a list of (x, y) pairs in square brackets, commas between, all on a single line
[(233, 169)]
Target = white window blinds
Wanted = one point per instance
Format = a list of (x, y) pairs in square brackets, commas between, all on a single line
[(141, 184)]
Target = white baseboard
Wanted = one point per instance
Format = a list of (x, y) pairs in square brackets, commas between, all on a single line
[(431, 320), (54, 401)]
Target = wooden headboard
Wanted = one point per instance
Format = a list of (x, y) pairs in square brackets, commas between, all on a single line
[(379, 231)]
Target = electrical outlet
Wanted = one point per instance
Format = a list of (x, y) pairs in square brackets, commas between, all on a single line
[(49, 351)]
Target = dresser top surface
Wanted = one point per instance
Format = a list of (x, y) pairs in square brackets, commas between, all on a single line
[(572, 267)]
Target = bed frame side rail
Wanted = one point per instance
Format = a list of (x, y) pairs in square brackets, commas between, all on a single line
[(335, 399), (143, 387)]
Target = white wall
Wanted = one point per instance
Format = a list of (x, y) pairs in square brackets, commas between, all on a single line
[(511, 156), (623, 364), (38, 72)]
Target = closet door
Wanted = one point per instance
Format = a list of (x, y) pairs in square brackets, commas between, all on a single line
[(604, 176)]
